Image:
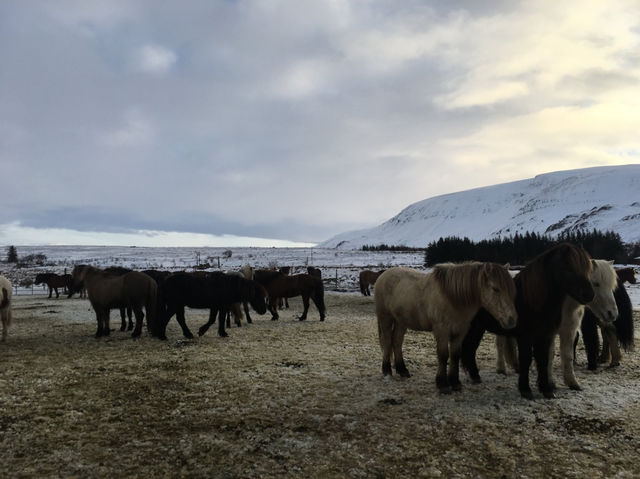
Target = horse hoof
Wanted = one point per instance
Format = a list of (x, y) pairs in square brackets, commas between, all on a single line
[(223, 335), (456, 387), (444, 390), (575, 387), (613, 365), (301, 318), (527, 395), (477, 380)]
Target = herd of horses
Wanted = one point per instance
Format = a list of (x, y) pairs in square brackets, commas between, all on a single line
[(559, 292)]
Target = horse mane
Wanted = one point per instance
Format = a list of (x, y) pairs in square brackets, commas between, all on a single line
[(461, 282), (266, 275), (604, 274), (536, 278)]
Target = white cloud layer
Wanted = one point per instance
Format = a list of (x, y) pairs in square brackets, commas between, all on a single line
[(298, 120)]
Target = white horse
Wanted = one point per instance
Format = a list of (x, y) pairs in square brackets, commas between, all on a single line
[(443, 301), (5, 305), (603, 279)]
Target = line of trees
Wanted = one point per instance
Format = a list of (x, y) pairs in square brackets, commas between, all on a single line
[(519, 249), (386, 247)]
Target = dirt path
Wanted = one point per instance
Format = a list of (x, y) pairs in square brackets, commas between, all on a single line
[(288, 399)]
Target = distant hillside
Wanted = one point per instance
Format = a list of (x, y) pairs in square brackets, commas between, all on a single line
[(604, 198)]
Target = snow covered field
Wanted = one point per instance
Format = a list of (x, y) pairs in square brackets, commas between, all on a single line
[(340, 268)]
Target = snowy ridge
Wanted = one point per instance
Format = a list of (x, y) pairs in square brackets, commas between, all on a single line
[(605, 198)]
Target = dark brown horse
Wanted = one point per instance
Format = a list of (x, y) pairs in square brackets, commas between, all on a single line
[(54, 281), (215, 291), (317, 272), (279, 285), (367, 278), (542, 286), (107, 291), (627, 274)]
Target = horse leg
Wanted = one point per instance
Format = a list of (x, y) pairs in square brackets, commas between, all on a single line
[(50, 291), (397, 339), (57, 293), (442, 350), (501, 366), (591, 340), (305, 303), (183, 324), (123, 319), (245, 306), (318, 306), (541, 352), (273, 308), (212, 319), (130, 316), (221, 332), (470, 345), (524, 360), (568, 333), (139, 317), (614, 346), (385, 336), (605, 353), (455, 346)]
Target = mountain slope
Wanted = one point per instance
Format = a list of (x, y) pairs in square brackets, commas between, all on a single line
[(605, 198)]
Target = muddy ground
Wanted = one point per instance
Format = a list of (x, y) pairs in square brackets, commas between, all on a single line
[(289, 399)]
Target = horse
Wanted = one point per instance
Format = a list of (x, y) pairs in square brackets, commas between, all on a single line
[(5, 305), (542, 286), (620, 333), (627, 274), (246, 272), (284, 302), (279, 286), (603, 306), (314, 272), (53, 281), (367, 278), (107, 291), (214, 291), (443, 301)]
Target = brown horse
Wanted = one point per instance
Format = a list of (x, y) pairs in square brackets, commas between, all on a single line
[(367, 278), (54, 281), (627, 274), (279, 285), (443, 301), (107, 291)]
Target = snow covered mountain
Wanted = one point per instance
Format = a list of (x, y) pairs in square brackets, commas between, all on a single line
[(604, 198)]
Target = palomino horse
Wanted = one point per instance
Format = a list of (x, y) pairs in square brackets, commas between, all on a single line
[(368, 278), (5, 305), (603, 306), (542, 286), (620, 333), (443, 301), (279, 286), (107, 292), (54, 281), (213, 291)]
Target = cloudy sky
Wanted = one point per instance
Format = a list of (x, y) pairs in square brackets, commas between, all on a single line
[(272, 121)]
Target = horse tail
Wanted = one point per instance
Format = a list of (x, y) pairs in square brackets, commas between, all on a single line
[(624, 323), (319, 295)]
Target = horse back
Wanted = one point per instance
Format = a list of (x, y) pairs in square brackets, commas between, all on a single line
[(408, 297)]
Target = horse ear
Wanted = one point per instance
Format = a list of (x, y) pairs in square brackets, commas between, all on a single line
[(611, 262), (507, 266)]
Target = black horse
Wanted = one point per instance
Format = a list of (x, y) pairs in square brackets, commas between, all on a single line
[(213, 291), (619, 333), (542, 286)]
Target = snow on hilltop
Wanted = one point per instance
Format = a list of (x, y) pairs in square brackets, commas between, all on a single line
[(605, 198)]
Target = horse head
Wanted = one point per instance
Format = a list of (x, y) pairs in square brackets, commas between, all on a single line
[(497, 294), (571, 270), (604, 281), (257, 297)]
